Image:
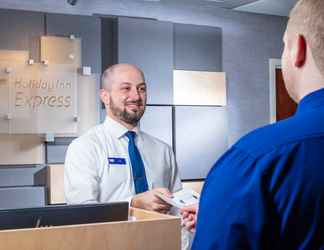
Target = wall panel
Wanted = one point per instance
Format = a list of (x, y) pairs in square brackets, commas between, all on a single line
[(149, 44), (157, 121), (22, 197), (197, 47), (86, 27), (21, 30), (201, 137)]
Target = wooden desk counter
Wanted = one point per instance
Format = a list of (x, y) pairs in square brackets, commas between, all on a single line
[(150, 231)]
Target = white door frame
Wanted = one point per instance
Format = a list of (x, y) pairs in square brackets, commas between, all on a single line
[(273, 65)]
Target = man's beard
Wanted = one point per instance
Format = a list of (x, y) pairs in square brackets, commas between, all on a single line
[(127, 117)]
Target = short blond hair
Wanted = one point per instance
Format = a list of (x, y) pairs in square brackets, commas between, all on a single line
[(307, 19)]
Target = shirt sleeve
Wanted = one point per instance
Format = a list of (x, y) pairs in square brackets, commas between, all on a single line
[(81, 181), (175, 181), (232, 211)]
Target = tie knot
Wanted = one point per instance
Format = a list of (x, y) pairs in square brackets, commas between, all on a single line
[(130, 135)]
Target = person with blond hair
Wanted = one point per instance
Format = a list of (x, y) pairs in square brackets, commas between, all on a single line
[(267, 191)]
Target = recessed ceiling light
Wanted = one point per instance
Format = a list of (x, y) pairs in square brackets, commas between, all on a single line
[(72, 2)]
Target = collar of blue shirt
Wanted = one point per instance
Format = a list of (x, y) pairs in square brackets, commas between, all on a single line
[(311, 101)]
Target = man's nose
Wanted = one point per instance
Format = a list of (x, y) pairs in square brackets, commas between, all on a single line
[(134, 94)]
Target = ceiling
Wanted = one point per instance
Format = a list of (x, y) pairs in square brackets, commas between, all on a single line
[(271, 7)]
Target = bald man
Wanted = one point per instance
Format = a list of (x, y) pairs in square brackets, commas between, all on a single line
[(267, 191), (116, 161)]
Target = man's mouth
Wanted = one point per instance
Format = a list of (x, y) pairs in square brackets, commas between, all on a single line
[(133, 105)]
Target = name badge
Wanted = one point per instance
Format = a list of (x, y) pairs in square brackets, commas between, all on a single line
[(115, 160)]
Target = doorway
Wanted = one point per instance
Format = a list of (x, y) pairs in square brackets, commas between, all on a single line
[(281, 105)]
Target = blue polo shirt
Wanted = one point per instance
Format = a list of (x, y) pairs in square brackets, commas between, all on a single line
[(267, 191)]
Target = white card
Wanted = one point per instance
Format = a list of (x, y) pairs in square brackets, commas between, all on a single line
[(184, 197)]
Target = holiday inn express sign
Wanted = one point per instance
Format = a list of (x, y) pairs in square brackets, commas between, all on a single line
[(38, 98), (48, 96)]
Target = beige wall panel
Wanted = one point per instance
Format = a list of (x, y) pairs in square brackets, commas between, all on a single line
[(194, 185), (199, 88), (55, 183), (87, 103), (61, 50), (14, 55), (21, 149), (4, 103)]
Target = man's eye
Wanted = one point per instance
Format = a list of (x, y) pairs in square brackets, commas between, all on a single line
[(125, 88), (142, 89)]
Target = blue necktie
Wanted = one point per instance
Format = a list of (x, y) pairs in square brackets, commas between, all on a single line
[(138, 169)]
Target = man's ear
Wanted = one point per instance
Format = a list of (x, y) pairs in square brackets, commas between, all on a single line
[(301, 51), (104, 96)]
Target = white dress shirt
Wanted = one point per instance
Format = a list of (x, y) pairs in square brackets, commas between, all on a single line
[(97, 165)]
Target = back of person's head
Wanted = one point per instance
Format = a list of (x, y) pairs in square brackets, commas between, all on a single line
[(307, 19)]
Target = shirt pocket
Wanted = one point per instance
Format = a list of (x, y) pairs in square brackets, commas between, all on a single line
[(118, 169)]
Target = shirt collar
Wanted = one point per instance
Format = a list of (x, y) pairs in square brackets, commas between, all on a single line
[(311, 101), (117, 129)]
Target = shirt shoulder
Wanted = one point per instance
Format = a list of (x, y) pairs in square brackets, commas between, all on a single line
[(154, 142), (296, 129), (90, 140)]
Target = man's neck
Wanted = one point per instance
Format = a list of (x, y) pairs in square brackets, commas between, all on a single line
[(125, 124), (311, 90), (308, 78)]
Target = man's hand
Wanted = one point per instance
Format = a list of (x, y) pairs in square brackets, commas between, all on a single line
[(189, 217), (150, 201)]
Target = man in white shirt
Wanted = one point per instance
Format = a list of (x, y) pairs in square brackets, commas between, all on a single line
[(99, 165)]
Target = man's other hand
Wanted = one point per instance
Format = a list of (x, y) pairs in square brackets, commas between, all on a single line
[(189, 217)]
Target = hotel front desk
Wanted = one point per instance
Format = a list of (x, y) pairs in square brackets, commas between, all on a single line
[(144, 230)]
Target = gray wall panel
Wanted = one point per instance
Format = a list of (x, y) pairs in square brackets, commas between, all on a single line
[(21, 30), (248, 86), (17, 176), (149, 44), (201, 137), (109, 42), (86, 27), (56, 153), (22, 197), (157, 121), (197, 47)]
